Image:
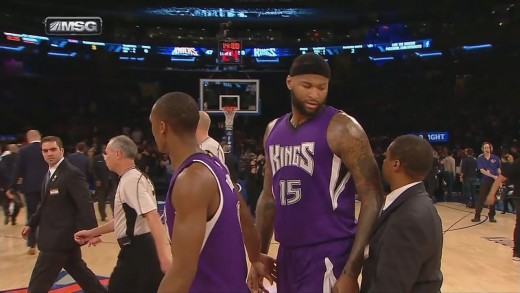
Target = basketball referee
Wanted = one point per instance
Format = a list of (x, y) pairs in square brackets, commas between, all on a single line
[(144, 255)]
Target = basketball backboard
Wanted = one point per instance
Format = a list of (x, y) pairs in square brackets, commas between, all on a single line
[(241, 93)]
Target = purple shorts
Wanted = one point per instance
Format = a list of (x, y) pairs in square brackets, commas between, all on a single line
[(312, 269)]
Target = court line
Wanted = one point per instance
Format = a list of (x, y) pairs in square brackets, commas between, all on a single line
[(460, 228)]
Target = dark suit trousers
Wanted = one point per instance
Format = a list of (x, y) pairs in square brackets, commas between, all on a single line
[(482, 194), (138, 268), (101, 195), (32, 200), (5, 205), (516, 233), (49, 264)]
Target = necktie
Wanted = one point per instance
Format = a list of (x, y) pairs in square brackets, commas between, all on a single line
[(47, 178)]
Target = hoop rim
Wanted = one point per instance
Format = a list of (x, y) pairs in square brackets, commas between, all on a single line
[(230, 109)]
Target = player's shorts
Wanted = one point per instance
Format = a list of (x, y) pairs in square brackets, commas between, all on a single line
[(312, 269)]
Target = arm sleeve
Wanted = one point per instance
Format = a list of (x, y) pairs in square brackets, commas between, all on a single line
[(78, 190), (139, 194)]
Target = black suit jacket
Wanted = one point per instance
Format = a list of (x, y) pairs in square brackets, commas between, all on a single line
[(233, 166), (65, 209), (100, 171), (405, 250), (80, 161), (6, 170), (30, 166)]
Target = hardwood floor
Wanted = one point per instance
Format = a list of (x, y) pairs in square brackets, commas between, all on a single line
[(476, 257)]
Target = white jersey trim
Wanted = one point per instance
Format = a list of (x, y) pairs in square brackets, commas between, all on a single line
[(334, 177), (211, 223), (329, 280)]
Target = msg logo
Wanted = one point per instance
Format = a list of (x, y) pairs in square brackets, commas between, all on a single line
[(77, 26)]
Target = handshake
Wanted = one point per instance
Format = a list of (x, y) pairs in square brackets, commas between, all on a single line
[(86, 236)]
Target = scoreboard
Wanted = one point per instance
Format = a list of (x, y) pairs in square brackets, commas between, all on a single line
[(229, 52)]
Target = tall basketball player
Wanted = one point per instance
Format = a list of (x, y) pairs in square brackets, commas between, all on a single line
[(204, 216), (318, 158)]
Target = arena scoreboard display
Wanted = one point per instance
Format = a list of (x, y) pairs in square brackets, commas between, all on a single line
[(229, 52)]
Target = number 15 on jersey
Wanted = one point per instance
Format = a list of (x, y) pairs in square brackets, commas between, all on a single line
[(290, 192)]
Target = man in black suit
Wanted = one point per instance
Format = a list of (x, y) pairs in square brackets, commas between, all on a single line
[(29, 171), (7, 162), (232, 163), (106, 183), (405, 250), (79, 158), (65, 209)]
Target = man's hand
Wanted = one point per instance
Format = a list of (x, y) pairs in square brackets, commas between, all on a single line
[(265, 267), (255, 283), (84, 236), (25, 232), (94, 241), (346, 284)]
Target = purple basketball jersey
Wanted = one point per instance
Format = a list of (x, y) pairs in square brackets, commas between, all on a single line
[(223, 244), (314, 193)]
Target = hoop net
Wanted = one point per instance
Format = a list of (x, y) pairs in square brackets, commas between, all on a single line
[(230, 112)]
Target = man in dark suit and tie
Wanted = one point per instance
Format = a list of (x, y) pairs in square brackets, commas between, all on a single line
[(29, 171), (65, 209), (79, 158), (404, 253)]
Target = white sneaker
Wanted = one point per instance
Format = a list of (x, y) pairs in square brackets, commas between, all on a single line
[(516, 258)]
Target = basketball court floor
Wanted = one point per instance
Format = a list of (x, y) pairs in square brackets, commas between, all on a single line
[(477, 257)]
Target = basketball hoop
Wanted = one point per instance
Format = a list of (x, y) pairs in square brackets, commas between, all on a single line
[(230, 112)]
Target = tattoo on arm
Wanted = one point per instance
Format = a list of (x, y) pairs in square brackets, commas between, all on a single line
[(356, 154), (265, 213)]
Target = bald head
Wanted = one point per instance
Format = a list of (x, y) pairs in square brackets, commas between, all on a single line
[(13, 148), (33, 135), (204, 121)]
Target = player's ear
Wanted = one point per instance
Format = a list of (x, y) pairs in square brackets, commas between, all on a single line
[(162, 127), (289, 81)]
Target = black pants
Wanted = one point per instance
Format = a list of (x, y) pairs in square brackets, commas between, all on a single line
[(482, 194), (516, 233), (48, 267), (5, 206), (101, 196), (32, 199), (470, 190), (137, 268)]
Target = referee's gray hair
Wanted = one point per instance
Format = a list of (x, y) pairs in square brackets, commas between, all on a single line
[(125, 145)]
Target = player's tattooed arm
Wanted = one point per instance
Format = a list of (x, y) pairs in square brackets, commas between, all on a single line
[(265, 208), (348, 141)]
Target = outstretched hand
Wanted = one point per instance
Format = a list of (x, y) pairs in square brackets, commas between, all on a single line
[(25, 232), (83, 237), (346, 284), (94, 241), (265, 267)]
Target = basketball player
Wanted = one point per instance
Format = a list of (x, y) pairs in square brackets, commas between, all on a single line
[(317, 158), (204, 216), (206, 142)]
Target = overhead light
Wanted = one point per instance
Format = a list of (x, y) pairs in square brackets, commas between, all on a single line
[(381, 58), (429, 54), (477, 47)]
